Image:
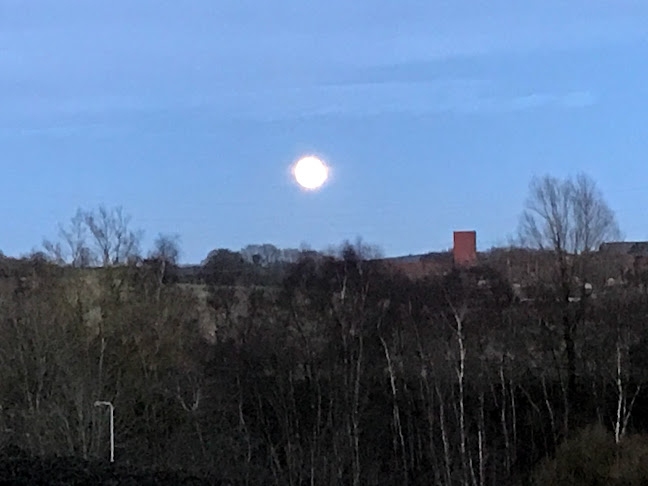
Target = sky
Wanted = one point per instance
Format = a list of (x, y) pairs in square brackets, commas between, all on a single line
[(433, 116)]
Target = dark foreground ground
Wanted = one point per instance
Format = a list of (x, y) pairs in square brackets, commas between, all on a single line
[(18, 468)]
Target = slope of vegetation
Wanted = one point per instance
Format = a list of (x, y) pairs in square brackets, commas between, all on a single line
[(331, 369), (346, 373)]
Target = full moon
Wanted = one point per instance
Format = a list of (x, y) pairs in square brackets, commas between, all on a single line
[(310, 172)]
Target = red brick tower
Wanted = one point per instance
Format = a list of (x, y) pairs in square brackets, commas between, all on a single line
[(465, 248)]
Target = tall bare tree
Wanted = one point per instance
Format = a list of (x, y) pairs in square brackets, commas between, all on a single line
[(569, 218)]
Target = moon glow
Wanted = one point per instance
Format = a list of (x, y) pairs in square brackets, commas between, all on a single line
[(310, 172)]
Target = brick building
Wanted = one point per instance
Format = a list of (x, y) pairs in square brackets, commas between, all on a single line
[(464, 250)]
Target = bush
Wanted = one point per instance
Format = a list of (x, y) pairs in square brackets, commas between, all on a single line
[(592, 458)]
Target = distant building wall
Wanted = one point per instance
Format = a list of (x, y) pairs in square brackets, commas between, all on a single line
[(465, 248), (419, 266), (635, 248)]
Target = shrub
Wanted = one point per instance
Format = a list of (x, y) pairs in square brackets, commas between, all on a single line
[(592, 458)]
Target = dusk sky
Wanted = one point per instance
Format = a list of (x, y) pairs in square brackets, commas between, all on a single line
[(433, 115)]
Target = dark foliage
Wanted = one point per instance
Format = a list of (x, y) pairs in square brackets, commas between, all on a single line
[(20, 468), (338, 371)]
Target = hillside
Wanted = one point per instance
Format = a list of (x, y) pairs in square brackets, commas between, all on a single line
[(321, 369)]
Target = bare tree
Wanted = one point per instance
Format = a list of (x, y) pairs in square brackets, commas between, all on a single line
[(566, 216), (569, 218), (166, 248), (54, 252), (361, 249), (101, 236), (73, 245), (75, 236), (115, 241), (166, 252)]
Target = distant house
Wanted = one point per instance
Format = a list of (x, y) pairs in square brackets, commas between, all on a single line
[(630, 248)]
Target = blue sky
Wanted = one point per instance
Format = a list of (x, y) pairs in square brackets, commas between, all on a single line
[(434, 115)]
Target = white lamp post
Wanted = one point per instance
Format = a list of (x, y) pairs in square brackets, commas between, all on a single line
[(112, 426)]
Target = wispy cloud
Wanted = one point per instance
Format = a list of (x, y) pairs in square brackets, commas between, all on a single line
[(102, 114), (534, 101), (361, 100)]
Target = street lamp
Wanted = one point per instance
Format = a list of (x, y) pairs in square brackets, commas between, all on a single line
[(112, 426)]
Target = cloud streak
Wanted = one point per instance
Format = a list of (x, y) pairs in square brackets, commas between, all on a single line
[(466, 97), (419, 100)]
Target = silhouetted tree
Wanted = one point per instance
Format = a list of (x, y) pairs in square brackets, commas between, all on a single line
[(570, 218)]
